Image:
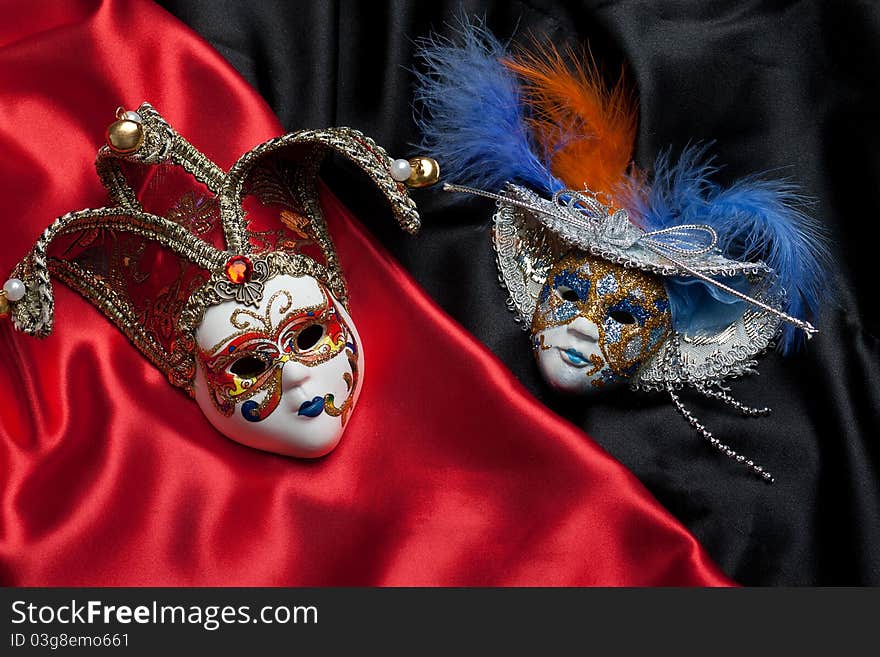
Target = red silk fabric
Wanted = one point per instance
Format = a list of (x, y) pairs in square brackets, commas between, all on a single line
[(449, 472)]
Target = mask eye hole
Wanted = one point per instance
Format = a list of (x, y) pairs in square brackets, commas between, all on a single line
[(247, 367), (309, 337), (622, 317), (567, 294)]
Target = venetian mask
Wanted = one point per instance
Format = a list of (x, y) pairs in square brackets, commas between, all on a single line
[(596, 323), (283, 376), (229, 282), (659, 276)]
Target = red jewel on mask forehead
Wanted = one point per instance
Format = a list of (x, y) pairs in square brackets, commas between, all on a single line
[(239, 269)]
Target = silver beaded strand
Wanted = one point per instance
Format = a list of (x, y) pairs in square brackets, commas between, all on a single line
[(717, 444), (702, 430), (722, 395)]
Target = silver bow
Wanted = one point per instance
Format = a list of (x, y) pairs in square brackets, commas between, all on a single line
[(580, 218)]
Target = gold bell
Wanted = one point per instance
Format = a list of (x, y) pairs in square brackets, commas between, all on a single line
[(125, 135), (425, 172)]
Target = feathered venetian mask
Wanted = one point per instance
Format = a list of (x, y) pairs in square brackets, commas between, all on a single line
[(663, 281), (228, 283)]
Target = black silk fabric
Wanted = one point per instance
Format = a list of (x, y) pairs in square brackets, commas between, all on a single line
[(782, 87)]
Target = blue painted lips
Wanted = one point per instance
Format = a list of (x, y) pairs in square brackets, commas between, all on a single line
[(574, 357), (312, 408)]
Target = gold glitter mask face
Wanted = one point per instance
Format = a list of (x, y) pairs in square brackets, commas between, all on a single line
[(596, 322)]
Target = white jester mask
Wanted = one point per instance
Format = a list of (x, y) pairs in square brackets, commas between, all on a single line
[(249, 316), (283, 376)]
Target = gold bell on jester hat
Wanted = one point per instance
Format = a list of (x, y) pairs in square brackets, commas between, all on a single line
[(126, 134)]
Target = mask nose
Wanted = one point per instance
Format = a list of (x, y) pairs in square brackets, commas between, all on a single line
[(583, 329), (294, 375)]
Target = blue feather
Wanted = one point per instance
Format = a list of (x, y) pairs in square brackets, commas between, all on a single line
[(760, 219), (756, 219), (472, 118)]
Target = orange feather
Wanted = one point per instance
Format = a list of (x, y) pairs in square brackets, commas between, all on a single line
[(587, 129)]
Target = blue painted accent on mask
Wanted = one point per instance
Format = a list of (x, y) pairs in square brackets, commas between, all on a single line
[(576, 357), (312, 408), (249, 411)]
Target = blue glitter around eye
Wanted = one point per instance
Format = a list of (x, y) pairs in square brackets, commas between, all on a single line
[(607, 285), (629, 371), (573, 280), (662, 305), (612, 330), (634, 309), (565, 312)]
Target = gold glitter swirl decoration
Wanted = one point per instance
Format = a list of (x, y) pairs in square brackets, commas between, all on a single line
[(350, 381)]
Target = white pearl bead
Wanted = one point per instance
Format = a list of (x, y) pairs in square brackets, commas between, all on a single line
[(133, 116), (14, 289), (400, 170)]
